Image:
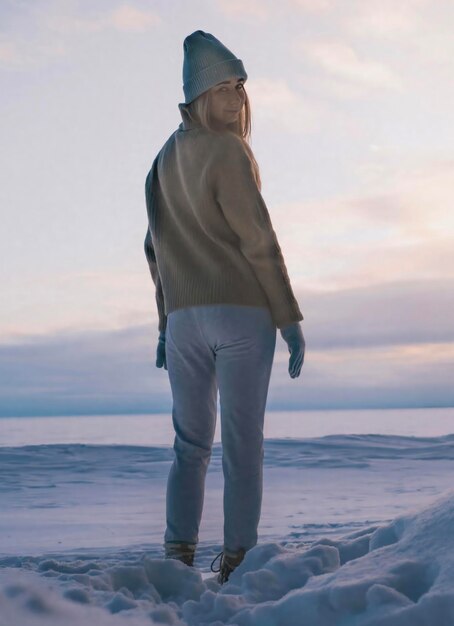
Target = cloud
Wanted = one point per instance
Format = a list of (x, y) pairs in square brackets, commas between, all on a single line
[(124, 18), (267, 9), (396, 313), (384, 19), (364, 49), (245, 9), (8, 52), (108, 299), (311, 6), (367, 346), (273, 100), (417, 30), (129, 18), (71, 373), (411, 376), (419, 203), (341, 61), (47, 33), (403, 232), (21, 53), (352, 267)]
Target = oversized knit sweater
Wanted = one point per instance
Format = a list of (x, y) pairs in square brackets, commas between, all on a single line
[(210, 239)]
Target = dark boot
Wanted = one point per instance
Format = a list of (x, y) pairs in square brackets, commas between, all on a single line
[(229, 561), (181, 551)]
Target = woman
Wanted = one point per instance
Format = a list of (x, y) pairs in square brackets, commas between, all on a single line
[(222, 289)]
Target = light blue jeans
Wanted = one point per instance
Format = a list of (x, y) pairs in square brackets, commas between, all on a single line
[(231, 348)]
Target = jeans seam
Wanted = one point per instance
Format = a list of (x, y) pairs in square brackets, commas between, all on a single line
[(201, 332)]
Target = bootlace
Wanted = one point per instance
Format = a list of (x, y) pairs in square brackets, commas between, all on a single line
[(221, 554), (227, 564)]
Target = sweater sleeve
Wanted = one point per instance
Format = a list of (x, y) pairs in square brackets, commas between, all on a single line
[(151, 258), (244, 208)]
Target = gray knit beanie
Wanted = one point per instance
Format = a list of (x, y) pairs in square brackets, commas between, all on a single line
[(207, 62)]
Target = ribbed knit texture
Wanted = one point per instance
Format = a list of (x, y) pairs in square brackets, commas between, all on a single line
[(210, 239), (207, 61)]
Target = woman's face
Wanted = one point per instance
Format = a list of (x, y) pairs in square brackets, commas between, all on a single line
[(227, 100)]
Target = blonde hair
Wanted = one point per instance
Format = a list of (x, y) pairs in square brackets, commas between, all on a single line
[(199, 111)]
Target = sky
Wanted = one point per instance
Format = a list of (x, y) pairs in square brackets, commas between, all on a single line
[(353, 129)]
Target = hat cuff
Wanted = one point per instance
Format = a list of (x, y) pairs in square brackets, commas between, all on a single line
[(211, 75)]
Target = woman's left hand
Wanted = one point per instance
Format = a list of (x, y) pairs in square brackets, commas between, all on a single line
[(161, 351)]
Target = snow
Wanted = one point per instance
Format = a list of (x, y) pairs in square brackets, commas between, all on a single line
[(80, 496), (399, 574), (356, 530)]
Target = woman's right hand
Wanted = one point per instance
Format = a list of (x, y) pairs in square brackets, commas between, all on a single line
[(293, 336), (161, 351)]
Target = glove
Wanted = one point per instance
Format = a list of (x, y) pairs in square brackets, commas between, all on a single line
[(161, 351), (293, 336)]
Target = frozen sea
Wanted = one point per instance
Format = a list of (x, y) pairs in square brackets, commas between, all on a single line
[(356, 525)]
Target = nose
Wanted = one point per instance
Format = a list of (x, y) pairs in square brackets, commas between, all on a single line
[(237, 98)]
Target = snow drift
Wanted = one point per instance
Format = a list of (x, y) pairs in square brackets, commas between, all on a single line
[(399, 574)]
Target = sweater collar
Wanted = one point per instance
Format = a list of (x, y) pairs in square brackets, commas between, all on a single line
[(187, 123)]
